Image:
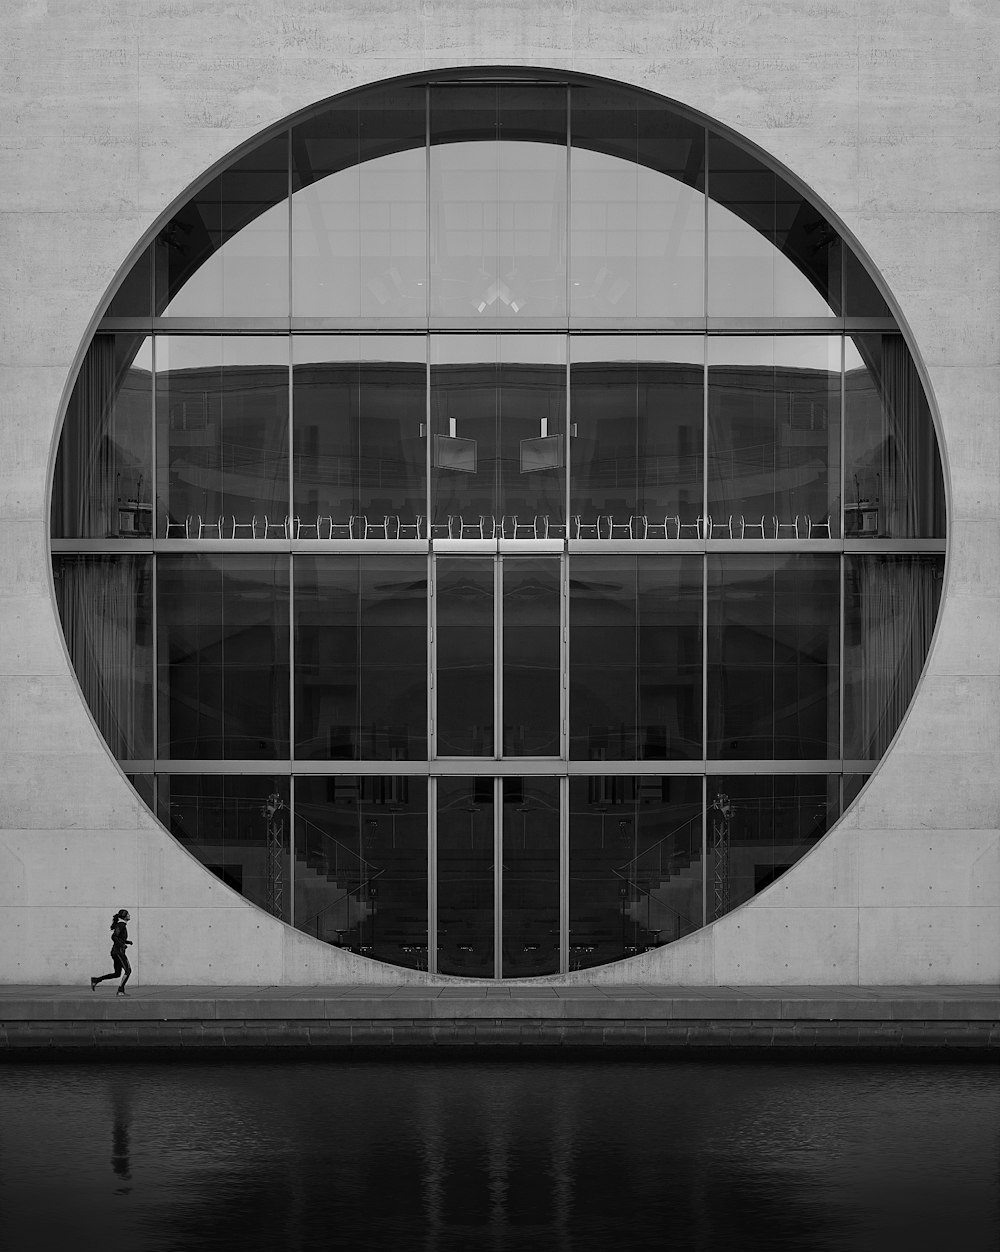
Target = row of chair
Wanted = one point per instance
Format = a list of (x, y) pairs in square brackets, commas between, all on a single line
[(511, 526)]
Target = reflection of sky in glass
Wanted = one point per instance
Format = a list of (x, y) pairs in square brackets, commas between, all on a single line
[(498, 218)]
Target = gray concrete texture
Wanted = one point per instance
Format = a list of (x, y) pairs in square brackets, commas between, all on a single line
[(888, 109)]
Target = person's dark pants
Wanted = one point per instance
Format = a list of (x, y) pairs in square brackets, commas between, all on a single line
[(121, 963)]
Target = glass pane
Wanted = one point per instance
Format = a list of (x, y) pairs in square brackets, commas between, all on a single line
[(361, 865), (893, 482), (638, 418), (635, 658), (222, 436), (222, 657), (773, 657), (465, 418), (635, 865), (134, 298), (530, 877), (532, 412), (770, 252), (106, 609), (758, 827), (359, 224), (498, 427), (225, 253), (532, 678), (103, 479), (669, 663), (359, 409), (465, 887), (238, 827), (774, 437), (890, 606), (463, 631), (603, 658), (637, 222), (360, 658), (498, 201)]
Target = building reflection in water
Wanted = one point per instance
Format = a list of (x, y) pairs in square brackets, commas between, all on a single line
[(452, 1154)]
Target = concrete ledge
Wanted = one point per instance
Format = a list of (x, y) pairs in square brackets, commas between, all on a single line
[(653, 1016)]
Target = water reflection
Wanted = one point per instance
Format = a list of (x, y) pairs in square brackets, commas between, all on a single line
[(519, 1154)]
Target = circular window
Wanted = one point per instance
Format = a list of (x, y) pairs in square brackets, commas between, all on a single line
[(498, 524)]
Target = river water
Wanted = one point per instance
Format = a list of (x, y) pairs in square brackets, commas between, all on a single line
[(523, 1153)]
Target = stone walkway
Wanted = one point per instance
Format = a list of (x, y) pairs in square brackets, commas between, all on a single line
[(47, 1017)]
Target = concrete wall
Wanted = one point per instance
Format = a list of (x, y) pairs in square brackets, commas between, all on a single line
[(888, 109)]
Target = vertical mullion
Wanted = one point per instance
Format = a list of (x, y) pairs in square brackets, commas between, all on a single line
[(569, 211), (497, 877), (704, 849), (564, 874), (154, 574), (432, 892), (498, 744), (431, 657), (291, 849)]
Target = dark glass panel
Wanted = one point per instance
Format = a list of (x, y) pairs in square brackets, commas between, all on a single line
[(774, 437), (222, 657), (145, 785), (103, 484), (498, 428), (498, 196), (360, 409), (463, 631), (862, 297), (635, 865), (359, 218), (106, 609), (530, 877), (134, 297), (635, 658), (531, 656), (603, 658), (638, 219), (360, 658), (890, 607), (222, 436), (225, 252), (758, 827), (466, 867), (894, 487), (238, 827), (361, 865), (669, 671), (637, 450), (852, 785), (773, 657), (770, 252)]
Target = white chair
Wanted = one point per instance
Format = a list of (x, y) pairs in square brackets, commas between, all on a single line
[(335, 530), (746, 527), (580, 527), (280, 527), (206, 528), (298, 527), (375, 529), (725, 527), (416, 526), (816, 529), (237, 527), (649, 527), (791, 528), (183, 529), (694, 529)]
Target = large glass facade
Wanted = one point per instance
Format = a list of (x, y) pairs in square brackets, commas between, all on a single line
[(498, 526)]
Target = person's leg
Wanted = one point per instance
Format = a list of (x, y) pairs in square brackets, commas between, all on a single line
[(128, 973), (115, 973)]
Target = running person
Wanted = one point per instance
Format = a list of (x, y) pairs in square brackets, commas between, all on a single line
[(119, 942)]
